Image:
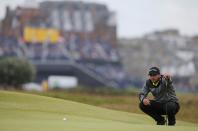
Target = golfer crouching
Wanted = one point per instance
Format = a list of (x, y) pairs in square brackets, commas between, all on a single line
[(165, 102)]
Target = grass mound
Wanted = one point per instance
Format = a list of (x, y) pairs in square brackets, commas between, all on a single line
[(25, 112)]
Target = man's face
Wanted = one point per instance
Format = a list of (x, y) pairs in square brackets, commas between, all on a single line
[(154, 78)]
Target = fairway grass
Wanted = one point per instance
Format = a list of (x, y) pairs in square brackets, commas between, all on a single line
[(25, 112)]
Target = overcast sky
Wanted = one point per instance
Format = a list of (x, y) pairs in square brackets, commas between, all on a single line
[(137, 17)]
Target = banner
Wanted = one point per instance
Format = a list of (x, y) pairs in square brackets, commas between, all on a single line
[(41, 35)]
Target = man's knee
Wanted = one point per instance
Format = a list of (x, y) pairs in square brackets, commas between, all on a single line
[(172, 108), (143, 107)]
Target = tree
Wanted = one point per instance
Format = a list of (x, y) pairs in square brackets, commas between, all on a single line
[(15, 72)]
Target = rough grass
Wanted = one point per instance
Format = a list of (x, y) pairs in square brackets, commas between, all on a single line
[(25, 112)]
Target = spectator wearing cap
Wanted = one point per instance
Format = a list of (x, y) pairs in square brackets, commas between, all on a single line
[(165, 101)]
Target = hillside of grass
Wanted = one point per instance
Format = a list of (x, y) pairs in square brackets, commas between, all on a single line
[(124, 100), (26, 112)]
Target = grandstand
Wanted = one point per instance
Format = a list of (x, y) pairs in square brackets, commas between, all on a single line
[(65, 38)]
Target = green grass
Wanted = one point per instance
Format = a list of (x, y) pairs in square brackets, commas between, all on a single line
[(26, 112), (125, 101)]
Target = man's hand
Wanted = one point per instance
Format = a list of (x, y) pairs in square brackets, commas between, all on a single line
[(167, 76), (146, 101)]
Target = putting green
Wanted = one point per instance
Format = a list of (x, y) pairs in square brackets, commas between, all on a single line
[(25, 112)]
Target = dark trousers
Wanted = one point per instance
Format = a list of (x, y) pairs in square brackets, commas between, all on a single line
[(156, 110)]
